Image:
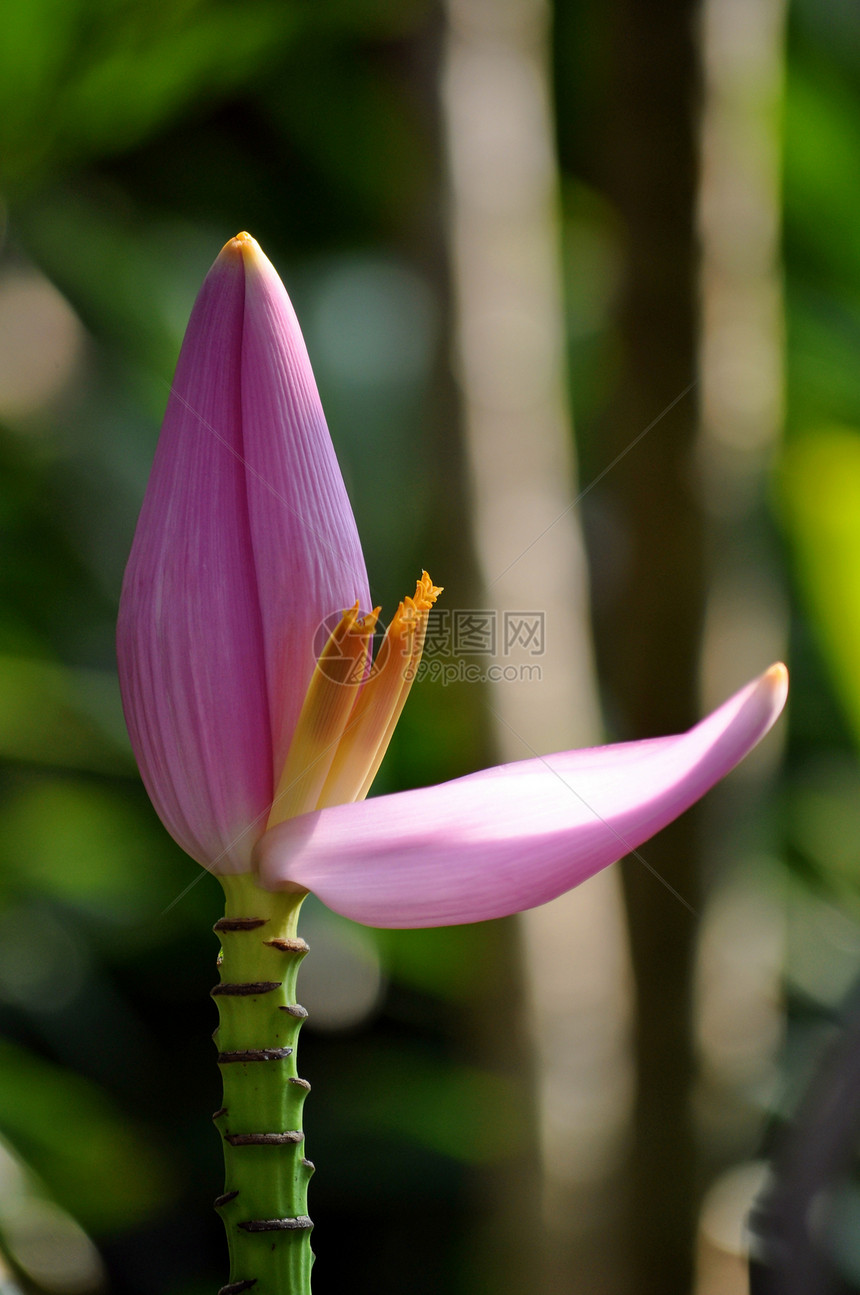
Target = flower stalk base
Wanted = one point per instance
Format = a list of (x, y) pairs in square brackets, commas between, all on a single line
[(264, 1204)]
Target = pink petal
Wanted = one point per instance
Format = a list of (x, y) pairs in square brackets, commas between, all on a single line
[(509, 838), (190, 639), (307, 553), (245, 544)]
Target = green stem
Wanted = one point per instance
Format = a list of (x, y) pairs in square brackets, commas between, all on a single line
[(264, 1205)]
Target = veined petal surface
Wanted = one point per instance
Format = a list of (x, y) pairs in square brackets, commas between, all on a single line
[(515, 836), (246, 543), (190, 637), (307, 553)]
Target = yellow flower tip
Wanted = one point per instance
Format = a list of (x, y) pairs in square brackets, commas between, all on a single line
[(383, 692), (412, 610), (426, 593), (366, 624), (351, 623), (407, 617), (244, 246), (355, 627)]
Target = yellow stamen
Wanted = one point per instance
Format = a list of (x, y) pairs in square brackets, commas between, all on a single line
[(339, 673), (379, 703)]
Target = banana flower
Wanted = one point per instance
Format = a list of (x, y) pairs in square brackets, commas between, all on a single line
[(256, 746), (259, 717)]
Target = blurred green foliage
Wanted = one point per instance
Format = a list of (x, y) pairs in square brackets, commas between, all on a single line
[(103, 1169), (134, 139), (820, 490)]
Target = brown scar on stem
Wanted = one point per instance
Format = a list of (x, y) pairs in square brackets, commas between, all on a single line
[(255, 1054), (245, 988), (297, 945), (265, 1139), (300, 1223), (239, 924)]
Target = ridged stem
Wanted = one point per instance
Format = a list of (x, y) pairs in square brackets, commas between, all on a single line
[(264, 1205)]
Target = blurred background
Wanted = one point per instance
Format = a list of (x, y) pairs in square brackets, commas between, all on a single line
[(581, 287)]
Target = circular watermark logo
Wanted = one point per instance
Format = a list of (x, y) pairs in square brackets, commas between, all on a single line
[(346, 654)]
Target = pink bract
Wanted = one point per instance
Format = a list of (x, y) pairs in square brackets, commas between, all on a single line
[(508, 838), (246, 542)]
